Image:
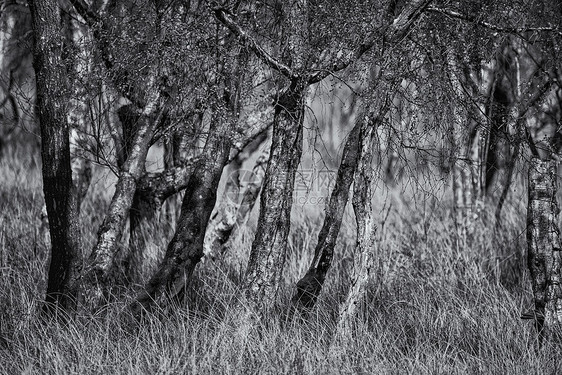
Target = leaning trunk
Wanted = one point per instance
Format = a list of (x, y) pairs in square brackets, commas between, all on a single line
[(366, 228), (544, 250), (156, 194), (96, 280), (186, 248), (309, 287), (234, 206)]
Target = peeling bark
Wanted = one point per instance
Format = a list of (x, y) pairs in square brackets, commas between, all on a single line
[(309, 287), (186, 247), (544, 249)]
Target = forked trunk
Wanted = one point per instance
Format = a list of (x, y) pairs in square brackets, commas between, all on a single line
[(97, 278), (156, 196), (241, 186)]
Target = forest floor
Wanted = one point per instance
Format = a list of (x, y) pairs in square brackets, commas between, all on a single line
[(438, 304)]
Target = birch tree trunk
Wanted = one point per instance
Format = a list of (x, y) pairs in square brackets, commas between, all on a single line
[(185, 250), (544, 248), (309, 287), (52, 109), (267, 255), (97, 278), (366, 226), (233, 208), (471, 123), (154, 191), (80, 66)]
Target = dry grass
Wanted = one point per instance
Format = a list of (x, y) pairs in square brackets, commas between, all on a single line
[(438, 305)]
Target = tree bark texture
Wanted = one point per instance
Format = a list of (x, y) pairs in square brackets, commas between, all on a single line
[(309, 287), (96, 280), (153, 190), (366, 225), (469, 170), (240, 184), (544, 250), (52, 108), (267, 255), (185, 250), (79, 65)]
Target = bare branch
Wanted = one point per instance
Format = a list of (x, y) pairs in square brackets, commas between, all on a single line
[(393, 34), (491, 26), (224, 17)]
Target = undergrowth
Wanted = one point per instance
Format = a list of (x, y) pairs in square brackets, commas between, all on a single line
[(438, 303)]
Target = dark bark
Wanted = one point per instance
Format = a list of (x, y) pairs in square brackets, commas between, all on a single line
[(186, 248), (268, 249), (52, 102), (144, 208), (141, 260), (544, 249), (267, 256), (309, 287), (153, 190)]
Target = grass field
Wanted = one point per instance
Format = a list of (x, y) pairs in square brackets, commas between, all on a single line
[(437, 305)]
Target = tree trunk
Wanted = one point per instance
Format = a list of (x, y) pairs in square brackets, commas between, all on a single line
[(153, 189), (543, 239), (52, 102), (186, 248), (80, 64), (366, 227), (309, 287), (267, 255), (469, 170), (232, 208), (96, 280)]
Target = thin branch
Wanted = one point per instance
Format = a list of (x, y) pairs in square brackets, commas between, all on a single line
[(393, 34), (511, 30), (225, 18)]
